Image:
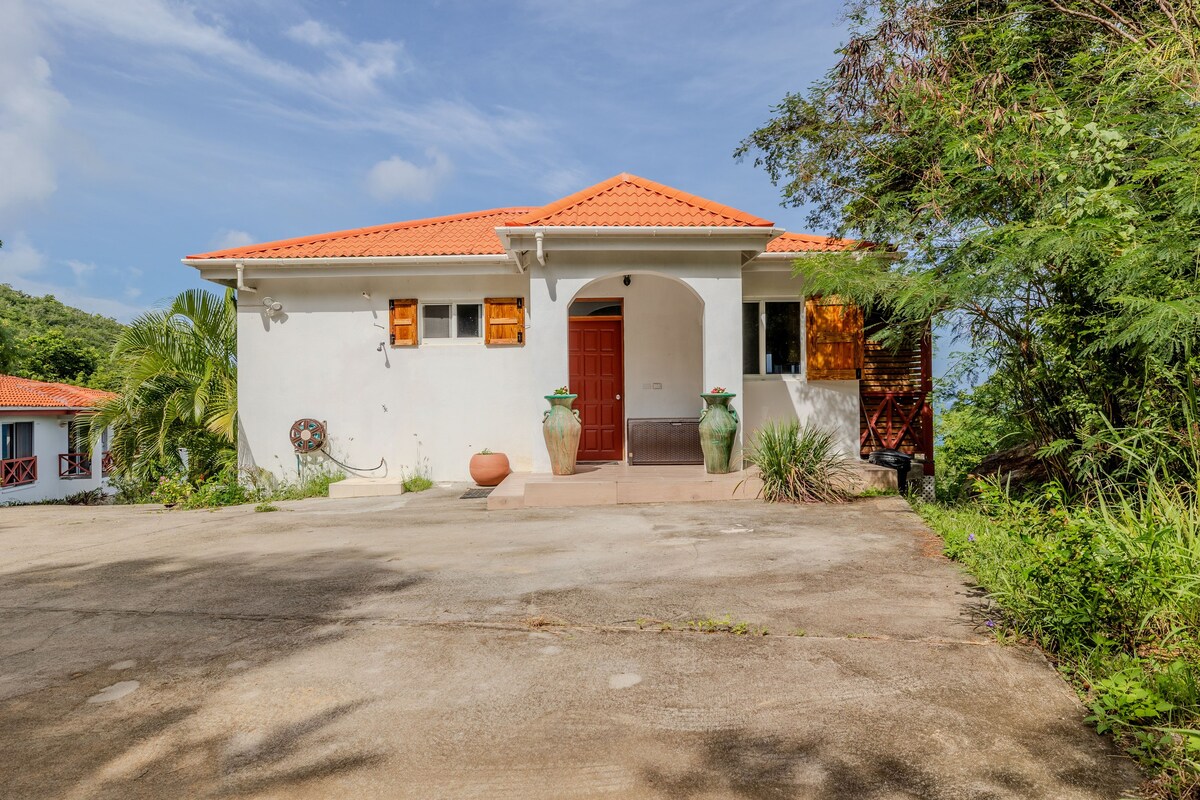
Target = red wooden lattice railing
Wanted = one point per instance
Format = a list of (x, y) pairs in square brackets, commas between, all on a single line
[(18, 471), (896, 391), (106, 463), (897, 420), (74, 465)]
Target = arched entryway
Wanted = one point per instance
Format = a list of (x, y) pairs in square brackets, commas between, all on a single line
[(635, 351)]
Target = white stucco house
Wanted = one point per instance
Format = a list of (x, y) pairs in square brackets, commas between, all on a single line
[(44, 449), (420, 343)]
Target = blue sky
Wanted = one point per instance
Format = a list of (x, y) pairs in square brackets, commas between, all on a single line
[(135, 132)]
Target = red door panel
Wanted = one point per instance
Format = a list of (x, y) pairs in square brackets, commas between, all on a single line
[(598, 377)]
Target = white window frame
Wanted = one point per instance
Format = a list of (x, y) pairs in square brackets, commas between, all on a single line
[(762, 374), (453, 338)]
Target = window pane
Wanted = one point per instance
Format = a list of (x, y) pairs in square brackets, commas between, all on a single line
[(595, 308), (435, 322), (468, 321), (749, 338), (783, 338)]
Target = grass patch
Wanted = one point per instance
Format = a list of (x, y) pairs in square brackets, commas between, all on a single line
[(417, 483), (1110, 588), (875, 491), (725, 624), (265, 507)]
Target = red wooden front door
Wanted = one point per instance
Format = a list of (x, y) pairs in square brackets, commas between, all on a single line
[(598, 377)]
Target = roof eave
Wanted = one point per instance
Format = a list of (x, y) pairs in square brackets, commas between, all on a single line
[(641, 237), (225, 269)]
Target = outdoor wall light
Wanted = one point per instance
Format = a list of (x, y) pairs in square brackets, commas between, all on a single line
[(627, 280)]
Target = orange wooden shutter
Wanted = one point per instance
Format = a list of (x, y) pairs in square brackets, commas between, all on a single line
[(504, 320), (834, 334), (403, 322)]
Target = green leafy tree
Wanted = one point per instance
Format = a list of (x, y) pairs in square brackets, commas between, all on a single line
[(52, 356), (177, 372), (8, 348), (1036, 162)]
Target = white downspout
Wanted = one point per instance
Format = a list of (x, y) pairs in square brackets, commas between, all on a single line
[(241, 283), (541, 253)]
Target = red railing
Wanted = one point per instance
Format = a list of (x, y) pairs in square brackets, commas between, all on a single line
[(106, 463), (75, 465), (18, 471), (899, 421)]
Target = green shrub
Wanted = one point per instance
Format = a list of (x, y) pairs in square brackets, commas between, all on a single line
[(171, 490), (799, 464), (223, 489), (1111, 587), (417, 483)]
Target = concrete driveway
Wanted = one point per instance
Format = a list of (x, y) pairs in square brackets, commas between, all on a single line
[(420, 647)]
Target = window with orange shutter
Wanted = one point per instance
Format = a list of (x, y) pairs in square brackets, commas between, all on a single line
[(834, 339), (402, 323), (504, 320)]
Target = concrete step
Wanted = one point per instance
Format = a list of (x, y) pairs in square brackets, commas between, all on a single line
[(620, 485), (366, 487)]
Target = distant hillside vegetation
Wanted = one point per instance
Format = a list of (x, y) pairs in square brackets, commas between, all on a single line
[(44, 339)]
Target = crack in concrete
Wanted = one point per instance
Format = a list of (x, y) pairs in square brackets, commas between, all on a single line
[(401, 622)]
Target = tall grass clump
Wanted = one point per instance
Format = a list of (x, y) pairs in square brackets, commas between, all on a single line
[(799, 464)]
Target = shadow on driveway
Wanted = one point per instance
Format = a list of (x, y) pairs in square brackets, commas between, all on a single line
[(183, 630)]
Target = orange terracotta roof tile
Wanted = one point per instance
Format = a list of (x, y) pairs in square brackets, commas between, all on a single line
[(25, 393), (623, 200), (627, 200), (460, 234), (807, 243)]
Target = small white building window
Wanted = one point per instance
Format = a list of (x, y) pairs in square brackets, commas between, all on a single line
[(772, 337), (451, 321)]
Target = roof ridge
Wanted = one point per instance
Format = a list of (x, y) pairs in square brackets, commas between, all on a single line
[(350, 233), (670, 192)]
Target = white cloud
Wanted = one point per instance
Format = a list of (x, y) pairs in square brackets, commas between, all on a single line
[(563, 181), (19, 259), (23, 267), (30, 113), (231, 238), (175, 28), (397, 178), (81, 269), (314, 34)]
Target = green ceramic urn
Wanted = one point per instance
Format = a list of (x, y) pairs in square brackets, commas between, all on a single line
[(561, 428), (718, 428)]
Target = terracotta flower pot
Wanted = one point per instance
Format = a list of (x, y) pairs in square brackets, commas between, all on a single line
[(488, 469)]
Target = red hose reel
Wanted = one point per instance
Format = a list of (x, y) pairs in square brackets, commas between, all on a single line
[(307, 435)]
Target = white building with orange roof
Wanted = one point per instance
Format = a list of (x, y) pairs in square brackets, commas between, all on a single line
[(44, 448), (417, 344)]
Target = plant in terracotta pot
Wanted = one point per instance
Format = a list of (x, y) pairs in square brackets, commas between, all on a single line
[(488, 468), (561, 429), (718, 428)]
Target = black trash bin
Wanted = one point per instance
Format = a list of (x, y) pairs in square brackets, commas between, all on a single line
[(894, 459)]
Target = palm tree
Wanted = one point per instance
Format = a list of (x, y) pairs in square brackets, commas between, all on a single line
[(178, 374)]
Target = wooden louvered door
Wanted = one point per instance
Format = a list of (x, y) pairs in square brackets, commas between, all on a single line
[(597, 372)]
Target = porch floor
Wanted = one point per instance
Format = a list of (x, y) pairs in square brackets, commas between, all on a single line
[(614, 483)]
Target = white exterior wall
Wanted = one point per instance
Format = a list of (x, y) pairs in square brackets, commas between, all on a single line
[(442, 401), (714, 278), (833, 405), (49, 441), (439, 402)]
